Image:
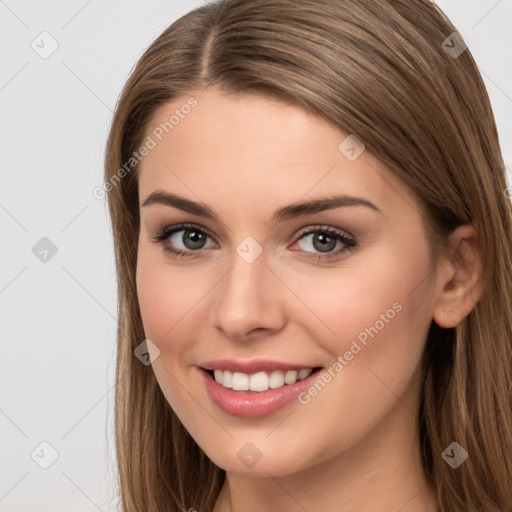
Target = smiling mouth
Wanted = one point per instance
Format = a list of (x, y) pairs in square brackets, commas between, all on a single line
[(260, 381)]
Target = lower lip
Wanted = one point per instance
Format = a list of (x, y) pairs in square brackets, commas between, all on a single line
[(254, 404)]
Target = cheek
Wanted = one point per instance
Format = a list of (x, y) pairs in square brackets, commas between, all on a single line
[(157, 302), (347, 300), (166, 296), (376, 314)]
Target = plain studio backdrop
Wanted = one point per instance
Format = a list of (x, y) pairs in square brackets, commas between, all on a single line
[(63, 66)]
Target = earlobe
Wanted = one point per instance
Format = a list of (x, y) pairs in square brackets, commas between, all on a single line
[(461, 282)]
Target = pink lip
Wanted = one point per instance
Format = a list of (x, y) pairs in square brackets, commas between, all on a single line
[(254, 404), (254, 366)]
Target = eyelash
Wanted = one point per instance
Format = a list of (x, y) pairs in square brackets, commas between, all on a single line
[(166, 232)]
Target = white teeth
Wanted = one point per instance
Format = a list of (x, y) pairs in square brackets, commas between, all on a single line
[(305, 373), (226, 379), (276, 379), (290, 377), (260, 381), (240, 381)]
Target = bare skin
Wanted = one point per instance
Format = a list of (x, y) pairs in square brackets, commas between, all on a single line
[(354, 445)]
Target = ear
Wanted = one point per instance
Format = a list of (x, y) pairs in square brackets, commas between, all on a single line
[(459, 278)]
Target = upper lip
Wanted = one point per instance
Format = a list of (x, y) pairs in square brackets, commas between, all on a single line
[(253, 366)]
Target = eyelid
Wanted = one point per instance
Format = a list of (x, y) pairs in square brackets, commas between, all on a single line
[(171, 229), (325, 228), (162, 234)]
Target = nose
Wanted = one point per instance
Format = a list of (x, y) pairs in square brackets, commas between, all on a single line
[(247, 300)]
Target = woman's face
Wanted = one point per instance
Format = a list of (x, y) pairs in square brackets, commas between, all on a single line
[(262, 295)]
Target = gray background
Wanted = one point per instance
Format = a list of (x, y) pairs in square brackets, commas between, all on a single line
[(59, 310)]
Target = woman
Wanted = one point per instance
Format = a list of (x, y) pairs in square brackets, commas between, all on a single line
[(313, 253)]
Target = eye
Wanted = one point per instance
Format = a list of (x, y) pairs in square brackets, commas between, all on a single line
[(193, 239), (324, 239)]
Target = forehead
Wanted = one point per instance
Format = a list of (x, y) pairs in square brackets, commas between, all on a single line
[(256, 150)]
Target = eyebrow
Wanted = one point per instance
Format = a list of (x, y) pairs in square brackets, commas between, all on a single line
[(298, 209)]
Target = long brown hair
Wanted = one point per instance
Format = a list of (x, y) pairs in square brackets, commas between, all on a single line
[(380, 69)]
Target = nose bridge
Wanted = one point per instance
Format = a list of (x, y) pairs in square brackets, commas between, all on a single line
[(245, 297)]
